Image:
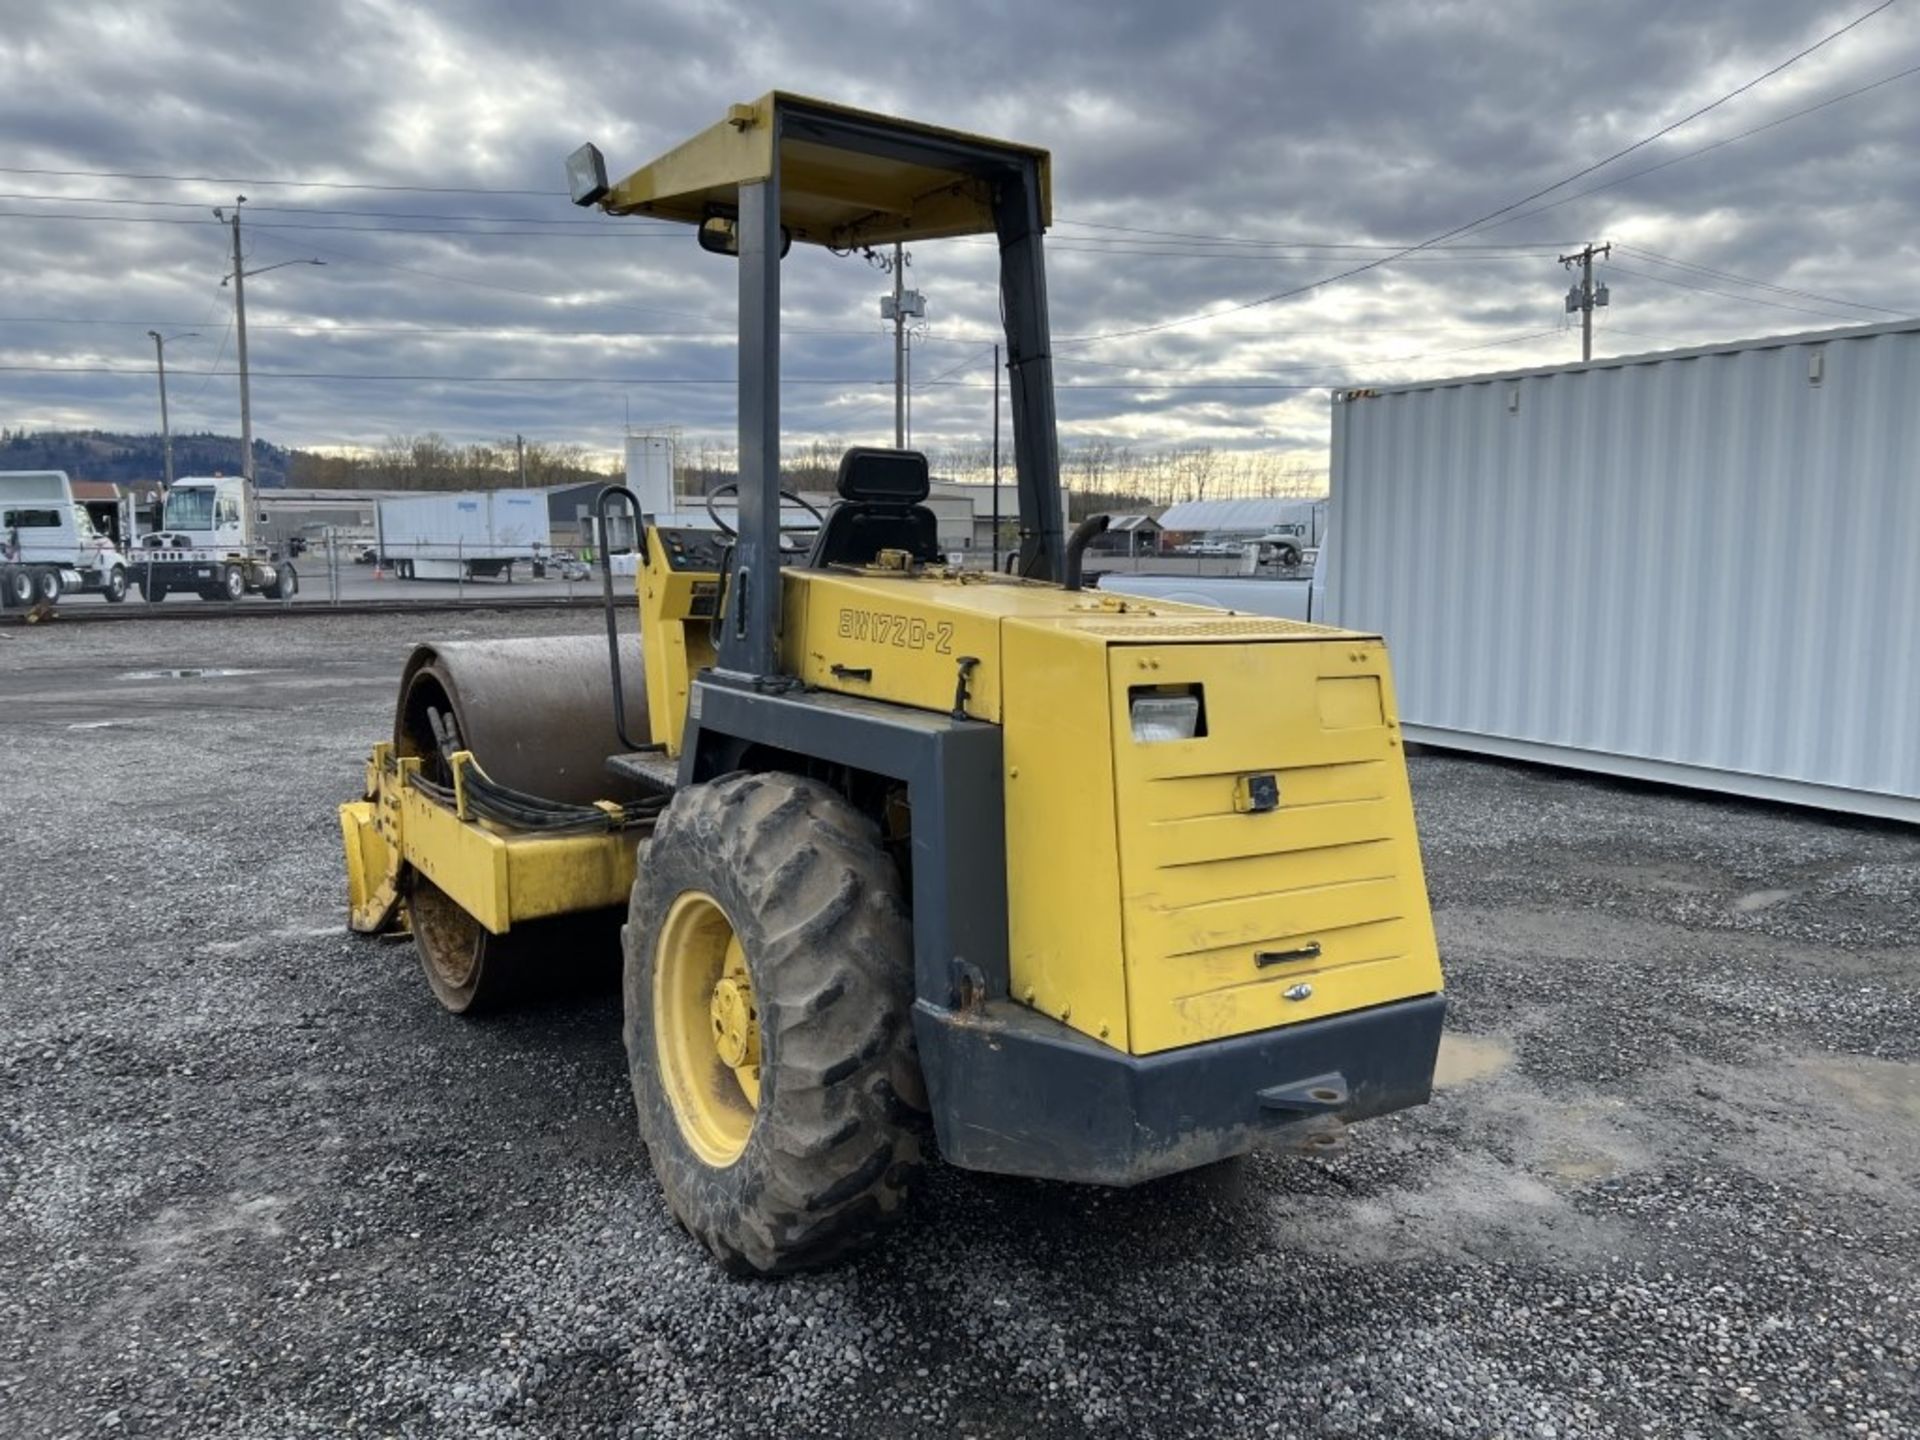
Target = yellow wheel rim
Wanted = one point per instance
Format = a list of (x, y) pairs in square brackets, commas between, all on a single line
[(706, 1028)]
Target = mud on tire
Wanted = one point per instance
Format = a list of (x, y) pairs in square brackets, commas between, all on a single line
[(833, 1151)]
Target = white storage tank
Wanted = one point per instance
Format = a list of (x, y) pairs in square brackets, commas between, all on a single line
[(1698, 566)]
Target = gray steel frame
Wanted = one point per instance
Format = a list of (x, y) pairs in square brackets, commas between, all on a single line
[(951, 769), (750, 634)]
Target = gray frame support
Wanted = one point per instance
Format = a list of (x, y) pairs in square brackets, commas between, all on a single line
[(952, 772), (748, 644)]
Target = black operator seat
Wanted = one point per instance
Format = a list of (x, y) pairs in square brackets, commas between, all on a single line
[(880, 508)]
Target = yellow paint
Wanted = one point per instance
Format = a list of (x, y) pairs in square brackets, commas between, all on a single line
[(1141, 886), (1063, 902), (828, 196), (373, 868), (499, 877), (1207, 888), (1141, 890), (676, 609), (909, 632), (705, 1029)]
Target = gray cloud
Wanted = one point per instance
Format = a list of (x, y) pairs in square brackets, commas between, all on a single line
[(1372, 124)]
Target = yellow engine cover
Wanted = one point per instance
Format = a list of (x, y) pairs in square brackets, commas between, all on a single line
[(1263, 873)]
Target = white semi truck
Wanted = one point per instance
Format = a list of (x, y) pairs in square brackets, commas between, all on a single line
[(49, 546), (213, 543)]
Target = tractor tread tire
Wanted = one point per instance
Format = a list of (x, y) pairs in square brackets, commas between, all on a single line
[(835, 1147)]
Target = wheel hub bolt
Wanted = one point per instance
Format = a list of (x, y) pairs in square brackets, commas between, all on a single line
[(736, 1030)]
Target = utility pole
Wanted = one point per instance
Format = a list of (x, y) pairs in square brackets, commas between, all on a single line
[(240, 340), (166, 430), (902, 305), (996, 459), (1583, 297), (520, 451), (899, 348), (239, 279)]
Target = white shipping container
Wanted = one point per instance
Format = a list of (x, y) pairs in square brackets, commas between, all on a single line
[(1698, 566)]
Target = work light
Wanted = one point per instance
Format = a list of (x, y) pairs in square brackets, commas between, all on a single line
[(587, 175), (1165, 717)]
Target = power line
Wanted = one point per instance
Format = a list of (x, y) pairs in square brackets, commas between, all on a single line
[(1441, 257), (296, 184), (620, 380), (966, 364), (606, 234), (1730, 295), (1324, 244), (321, 328), (1493, 215), (1708, 270), (551, 299), (605, 223), (589, 230), (1704, 149)]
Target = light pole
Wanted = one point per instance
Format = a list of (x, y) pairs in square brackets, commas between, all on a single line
[(239, 279), (166, 431)]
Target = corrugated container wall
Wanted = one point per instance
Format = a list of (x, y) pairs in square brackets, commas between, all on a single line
[(1700, 566)]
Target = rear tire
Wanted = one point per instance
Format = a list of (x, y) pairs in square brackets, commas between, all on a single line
[(46, 587), (824, 1150), (285, 587), (16, 587)]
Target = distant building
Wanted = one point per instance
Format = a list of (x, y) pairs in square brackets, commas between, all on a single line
[(1242, 519), (307, 511), (1130, 535)]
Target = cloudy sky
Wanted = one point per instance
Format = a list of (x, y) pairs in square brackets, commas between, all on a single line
[(1205, 155)]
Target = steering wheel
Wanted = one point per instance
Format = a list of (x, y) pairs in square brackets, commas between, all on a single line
[(732, 487)]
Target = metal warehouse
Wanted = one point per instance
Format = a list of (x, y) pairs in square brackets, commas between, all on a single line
[(1696, 566)]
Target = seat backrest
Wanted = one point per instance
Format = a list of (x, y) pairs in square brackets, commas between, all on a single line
[(880, 509)]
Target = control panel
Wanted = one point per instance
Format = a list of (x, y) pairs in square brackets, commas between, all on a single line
[(689, 550)]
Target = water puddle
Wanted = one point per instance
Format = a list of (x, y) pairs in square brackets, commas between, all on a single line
[(207, 672), (1469, 1057), (1759, 900)]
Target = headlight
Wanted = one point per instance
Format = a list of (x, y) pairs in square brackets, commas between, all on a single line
[(1165, 717)]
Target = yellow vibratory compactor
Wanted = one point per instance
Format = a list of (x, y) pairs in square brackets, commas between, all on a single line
[(1101, 888)]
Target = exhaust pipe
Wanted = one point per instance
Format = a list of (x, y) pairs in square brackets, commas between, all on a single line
[(1083, 535)]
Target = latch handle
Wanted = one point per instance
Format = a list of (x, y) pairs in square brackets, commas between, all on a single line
[(1308, 951)]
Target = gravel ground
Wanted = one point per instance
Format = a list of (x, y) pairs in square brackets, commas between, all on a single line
[(254, 1183)]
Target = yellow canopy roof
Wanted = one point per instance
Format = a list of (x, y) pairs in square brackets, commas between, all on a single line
[(848, 177)]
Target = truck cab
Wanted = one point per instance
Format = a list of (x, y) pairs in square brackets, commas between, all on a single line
[(49, 545), (208, 542)]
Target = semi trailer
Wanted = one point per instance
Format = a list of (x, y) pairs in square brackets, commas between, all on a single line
[(472, 535)]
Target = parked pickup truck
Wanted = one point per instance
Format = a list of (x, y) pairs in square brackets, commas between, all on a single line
[(49, 546)]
